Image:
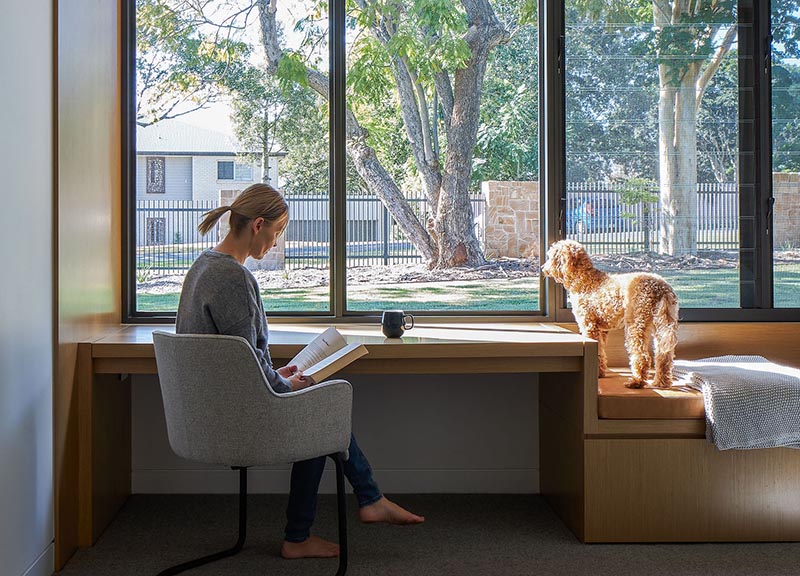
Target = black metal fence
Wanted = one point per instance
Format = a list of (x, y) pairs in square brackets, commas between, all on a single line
[(597, 218), (373, 236), (167, 240)]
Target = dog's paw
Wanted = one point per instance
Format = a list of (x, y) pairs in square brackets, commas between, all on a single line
[(662, 384), (635, 384)]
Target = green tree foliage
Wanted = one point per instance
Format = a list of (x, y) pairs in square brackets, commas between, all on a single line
[(718, 126), (507, 146), (786, 85), (785, 116), (611, 118), (637, 191), (180, 67)]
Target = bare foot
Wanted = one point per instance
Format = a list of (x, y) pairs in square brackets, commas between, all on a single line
[(313, 547), (384, 510)]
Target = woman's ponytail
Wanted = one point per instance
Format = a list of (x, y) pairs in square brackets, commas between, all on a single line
[(210, 219), (256, 201)]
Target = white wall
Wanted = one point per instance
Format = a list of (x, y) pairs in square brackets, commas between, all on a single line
[(437, 434), (26, 295)]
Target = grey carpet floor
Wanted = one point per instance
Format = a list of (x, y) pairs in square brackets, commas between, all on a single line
[(481, 535)]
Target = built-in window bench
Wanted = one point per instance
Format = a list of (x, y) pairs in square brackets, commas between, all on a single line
[(616, 465), (641, 469)]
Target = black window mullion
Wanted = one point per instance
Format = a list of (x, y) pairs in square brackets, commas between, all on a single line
[(128, 160), (765, 199), (552, 149), (748, 137), (755, 155), (338, 158)]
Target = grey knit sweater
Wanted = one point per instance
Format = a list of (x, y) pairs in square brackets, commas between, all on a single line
[(220, 296)]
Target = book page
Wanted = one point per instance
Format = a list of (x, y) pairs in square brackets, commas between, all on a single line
[(335, 362), (318, 349)]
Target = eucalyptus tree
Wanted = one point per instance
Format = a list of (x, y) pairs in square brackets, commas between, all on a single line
[(429, 58), (690, 41), (423, 61)]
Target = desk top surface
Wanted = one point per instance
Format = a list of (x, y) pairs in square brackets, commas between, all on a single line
[(425, 340)]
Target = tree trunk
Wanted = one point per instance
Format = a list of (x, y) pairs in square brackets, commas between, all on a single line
[(453, 225), (677, 143), (677, 151), (682, 85), (450, 238)]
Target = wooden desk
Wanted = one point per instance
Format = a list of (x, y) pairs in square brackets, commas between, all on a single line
[(563, 358)]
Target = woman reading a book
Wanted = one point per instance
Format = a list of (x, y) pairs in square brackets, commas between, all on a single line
[(221, 296)]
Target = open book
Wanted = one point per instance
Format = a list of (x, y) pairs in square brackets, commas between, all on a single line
[(327, 354)]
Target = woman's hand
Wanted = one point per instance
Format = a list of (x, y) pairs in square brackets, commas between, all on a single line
[(287, 371), (299, 381)]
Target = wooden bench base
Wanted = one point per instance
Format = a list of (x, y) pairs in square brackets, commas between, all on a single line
[(685, 490), (639, 480)]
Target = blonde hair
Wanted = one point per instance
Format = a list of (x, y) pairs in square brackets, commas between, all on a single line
[(256, 201)]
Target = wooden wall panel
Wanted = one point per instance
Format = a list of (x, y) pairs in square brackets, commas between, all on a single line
[(88, 202)]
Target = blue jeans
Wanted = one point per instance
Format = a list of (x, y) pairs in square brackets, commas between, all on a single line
[(306, 476)]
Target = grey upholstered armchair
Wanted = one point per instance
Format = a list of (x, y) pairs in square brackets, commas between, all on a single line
[(220, 410)]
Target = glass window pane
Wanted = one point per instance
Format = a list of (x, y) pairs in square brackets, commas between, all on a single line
[(225, 170), (244, 172), (443, 212), (209, 97), (652, 143), (786, 152)]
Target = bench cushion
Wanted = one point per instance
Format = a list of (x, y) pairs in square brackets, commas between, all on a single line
[(615, 401)]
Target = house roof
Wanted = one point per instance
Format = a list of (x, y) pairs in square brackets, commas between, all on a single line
[(171, 137)]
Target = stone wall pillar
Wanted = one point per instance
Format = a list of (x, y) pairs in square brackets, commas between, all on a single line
[(512, 219), (786, 212), (275, 258)]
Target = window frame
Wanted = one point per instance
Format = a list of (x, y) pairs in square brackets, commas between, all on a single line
[(756, 254)]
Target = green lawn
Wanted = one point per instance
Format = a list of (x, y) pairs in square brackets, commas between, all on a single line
[(517, 294), (720, 288), (717, 288)]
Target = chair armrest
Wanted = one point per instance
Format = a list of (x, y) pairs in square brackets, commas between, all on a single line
[(314, 421)]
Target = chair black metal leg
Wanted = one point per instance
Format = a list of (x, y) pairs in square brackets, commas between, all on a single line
[(342, 514), (224, 553)]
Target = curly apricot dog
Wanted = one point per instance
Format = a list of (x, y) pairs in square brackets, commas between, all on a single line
[(643, 303)]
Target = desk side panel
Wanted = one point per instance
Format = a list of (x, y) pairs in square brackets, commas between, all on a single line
[(561, 445)]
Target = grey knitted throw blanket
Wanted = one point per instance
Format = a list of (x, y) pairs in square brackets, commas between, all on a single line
[(749, 401)]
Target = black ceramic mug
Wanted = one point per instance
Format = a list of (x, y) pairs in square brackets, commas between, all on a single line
[(394, 323)]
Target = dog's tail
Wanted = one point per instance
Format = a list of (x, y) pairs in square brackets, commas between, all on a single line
[(666, 321)]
